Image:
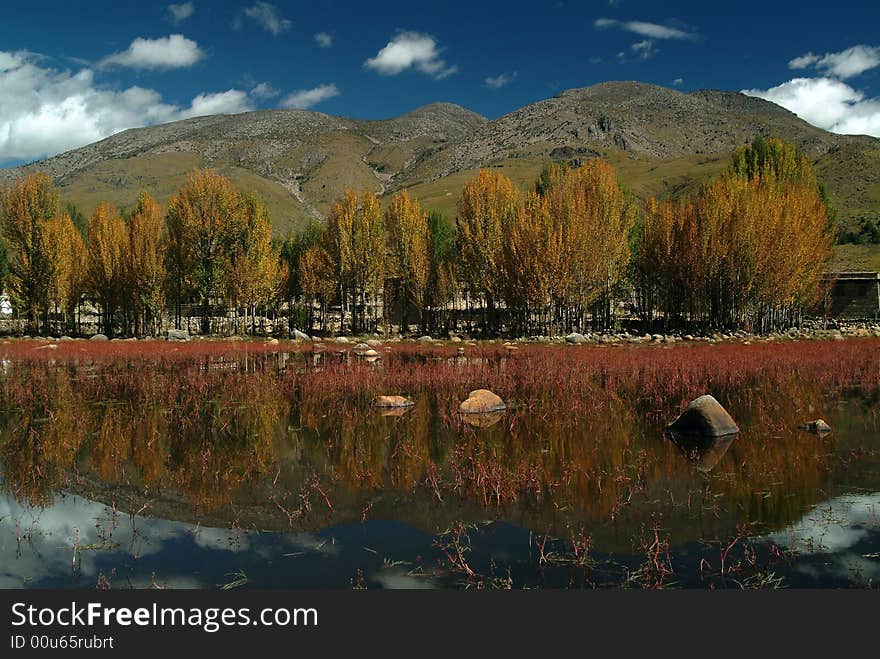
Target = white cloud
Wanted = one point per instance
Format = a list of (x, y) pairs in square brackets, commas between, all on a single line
[(645, 29), (306, 98), (171, 52), (828, 103), (324, 39), (266, 16), (644, 49), (803, 61), (178, 13), (845, 64), (850, 62), (264, 90), (232, 101), (45, 111), (411, 50), (500, 81), (678, 82)]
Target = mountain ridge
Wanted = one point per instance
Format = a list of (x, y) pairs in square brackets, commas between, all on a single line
[(663, 142)]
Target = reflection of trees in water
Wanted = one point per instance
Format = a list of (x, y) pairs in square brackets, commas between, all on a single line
[(226, 432)]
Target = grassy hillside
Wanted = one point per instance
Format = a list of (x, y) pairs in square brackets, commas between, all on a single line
[(663, 143)]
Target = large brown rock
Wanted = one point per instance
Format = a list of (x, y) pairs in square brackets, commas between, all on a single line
[(481, 401), (706, 417), (392, 401)]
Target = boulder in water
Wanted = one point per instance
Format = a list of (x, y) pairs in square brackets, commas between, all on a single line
[(481, 401), (706, 417)]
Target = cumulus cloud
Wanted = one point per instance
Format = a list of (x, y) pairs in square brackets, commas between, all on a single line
[(678, 82), (232, 101), (44, 111), (499, 81), (266, 16), (324, 39), (306, 98), (178, 13), (411, 50), (264, 90), (845, 64), (171, 52), (646, 29), (828, 103)]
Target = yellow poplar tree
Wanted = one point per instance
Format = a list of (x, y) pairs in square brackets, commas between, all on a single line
[(200, 219), (354, 242), (67, 261), (105, 265), (25, 207), (488, 205), (409, 251), (254, 273), (146, 269)]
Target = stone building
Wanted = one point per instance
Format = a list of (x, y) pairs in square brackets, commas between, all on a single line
[(853, 295)]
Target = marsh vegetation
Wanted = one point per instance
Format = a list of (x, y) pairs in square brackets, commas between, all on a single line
[(148, 463)]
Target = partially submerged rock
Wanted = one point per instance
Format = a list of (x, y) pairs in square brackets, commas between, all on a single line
[(705, 417), (575, 337), (392, 401), (481, 401), (98, 337), (818, 427)]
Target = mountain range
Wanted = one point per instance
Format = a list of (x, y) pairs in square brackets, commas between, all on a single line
[(662, 142)]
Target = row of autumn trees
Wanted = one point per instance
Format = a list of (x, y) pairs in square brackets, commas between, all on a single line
[(213, 243), (747, 250)]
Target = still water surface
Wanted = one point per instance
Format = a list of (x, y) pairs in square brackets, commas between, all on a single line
[(277, 491)]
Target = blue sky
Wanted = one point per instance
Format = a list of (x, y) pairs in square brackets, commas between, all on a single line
[(72, 73)]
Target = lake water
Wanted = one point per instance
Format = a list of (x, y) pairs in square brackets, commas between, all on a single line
[(277, 489)]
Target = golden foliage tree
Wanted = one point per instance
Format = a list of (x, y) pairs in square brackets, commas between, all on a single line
[(106, 266), (354, 243), (409, 251), (201, 218), (67, 259), (750, 249), (253, 272), (488, 206), (145, 267), (25, 208)]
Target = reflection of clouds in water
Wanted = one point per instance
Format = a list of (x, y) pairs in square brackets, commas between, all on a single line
[(49, 534), (399, 578), (834, 528)]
